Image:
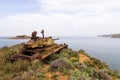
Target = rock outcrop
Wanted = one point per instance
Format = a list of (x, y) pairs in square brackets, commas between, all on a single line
[(59, 64), (20, 37), (110, 35)]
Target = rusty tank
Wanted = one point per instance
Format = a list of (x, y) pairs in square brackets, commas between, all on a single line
[(38, 48)]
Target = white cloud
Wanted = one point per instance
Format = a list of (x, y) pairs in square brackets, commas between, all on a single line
[(85, 7), (71, 6), (66, 18)]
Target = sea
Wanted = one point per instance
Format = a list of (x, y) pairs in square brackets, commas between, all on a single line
[(103, 48)]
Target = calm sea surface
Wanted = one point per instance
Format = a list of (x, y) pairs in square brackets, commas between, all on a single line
[(105, 49)]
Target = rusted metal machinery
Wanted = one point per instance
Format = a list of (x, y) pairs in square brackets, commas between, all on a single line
[(38, 48)]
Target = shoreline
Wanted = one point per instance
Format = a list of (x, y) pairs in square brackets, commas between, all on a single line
[(20, 37)]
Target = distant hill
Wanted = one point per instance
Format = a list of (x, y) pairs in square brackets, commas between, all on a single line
[(110, 35), (20, 37)]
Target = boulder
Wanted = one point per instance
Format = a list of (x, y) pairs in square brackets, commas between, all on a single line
[(102, 75), (59, 64)]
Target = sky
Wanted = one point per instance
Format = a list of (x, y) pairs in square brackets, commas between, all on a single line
[(59, 17)]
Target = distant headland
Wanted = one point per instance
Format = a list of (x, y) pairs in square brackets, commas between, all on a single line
[(20, 37), (110, 35)]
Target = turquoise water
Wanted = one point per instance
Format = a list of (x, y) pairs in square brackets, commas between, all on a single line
[(105, 49)]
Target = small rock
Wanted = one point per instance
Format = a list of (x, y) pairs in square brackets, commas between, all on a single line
[(27, 74), (103, 75), (79, 65), (17, 78), (59, 64), (30, 72), (82, 78)]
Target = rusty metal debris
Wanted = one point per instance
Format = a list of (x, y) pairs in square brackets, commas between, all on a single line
[(38, 48)]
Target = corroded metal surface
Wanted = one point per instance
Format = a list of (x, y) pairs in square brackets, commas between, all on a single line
[(38, 48)]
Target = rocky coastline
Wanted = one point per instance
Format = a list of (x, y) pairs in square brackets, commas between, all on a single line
[(67, 65), (110, 35), (20, 37)]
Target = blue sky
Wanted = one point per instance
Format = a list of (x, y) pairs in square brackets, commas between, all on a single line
[(13, 7), (59, 17)]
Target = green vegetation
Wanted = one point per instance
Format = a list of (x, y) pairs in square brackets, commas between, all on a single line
[(91, 69), (9, 71), (68, 53), (63, 70), (79, 75)]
